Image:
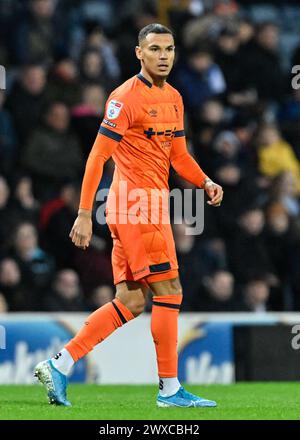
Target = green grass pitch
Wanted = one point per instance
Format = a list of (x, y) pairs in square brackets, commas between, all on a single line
[(121, 402)]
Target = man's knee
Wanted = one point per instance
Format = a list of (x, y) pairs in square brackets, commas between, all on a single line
[(132, 295), (167, 287), (135, 305)]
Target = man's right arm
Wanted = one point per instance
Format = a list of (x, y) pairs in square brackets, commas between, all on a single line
[(102, 150), (117, 119)]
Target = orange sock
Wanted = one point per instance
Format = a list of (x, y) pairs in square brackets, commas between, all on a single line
[(164, 328), (99, 325)]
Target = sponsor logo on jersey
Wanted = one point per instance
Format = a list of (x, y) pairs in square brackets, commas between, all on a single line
[(168, 133), (166, 144), (153, 113), (111, 124), (113, 109)]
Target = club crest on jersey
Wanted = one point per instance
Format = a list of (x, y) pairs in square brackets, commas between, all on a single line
[(113, 109)]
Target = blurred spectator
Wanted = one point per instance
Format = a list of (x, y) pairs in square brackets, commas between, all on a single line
[(275, 155), (190, 260), (289, 118), (63, 82), (93, 69), (284, 191), (282, 233), (96, 39), (7, 9), (282, 242), (6, 220), (87, 115), (27, 99), (230, 165), (56, 220), (196, 259), (242, 93), (209, 122), (66, 295), (208, 26), (260, 62), (215, 254), (103, 12), (140, 14), (246, 30), (3, 304), (243, 125), (217, 293), (25, 205), (198, 78), (94, 264), (227, 56), (12, 287), (52, 153), (37, 267), (212, 113), (100, 296), (228, 151), (290, 110), (256, 293), (37, 33), (20, 206), (246, 249), (8, 141)]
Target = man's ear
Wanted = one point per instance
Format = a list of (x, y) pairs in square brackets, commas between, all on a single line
[(138, 52)]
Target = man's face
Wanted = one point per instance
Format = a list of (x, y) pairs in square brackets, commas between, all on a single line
[(67, 284), (257, 291), (269, 37), (43, 8), (253, 221), (221, 285), (156, 54), (34, 80), (200, 61), (58, 117)]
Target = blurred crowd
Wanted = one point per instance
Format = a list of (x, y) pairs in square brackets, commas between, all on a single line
[(233, 69)]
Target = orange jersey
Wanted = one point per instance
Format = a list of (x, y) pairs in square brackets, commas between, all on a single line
[(143, 132), (148, 118)]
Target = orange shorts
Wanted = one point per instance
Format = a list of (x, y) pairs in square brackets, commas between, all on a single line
[(142, 252)]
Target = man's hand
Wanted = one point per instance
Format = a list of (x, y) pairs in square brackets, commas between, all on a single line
[(81, 232), (214, 192)]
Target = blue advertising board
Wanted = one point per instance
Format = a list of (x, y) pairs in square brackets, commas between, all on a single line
[(29, 342), (206, 354)]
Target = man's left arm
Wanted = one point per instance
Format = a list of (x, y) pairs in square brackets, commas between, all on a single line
[(186, 166)]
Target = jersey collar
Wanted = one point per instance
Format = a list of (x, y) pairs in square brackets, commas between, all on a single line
[(144, 80)]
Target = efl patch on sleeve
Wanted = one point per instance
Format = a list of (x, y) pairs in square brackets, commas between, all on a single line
[(111, 124), (113, 109)]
